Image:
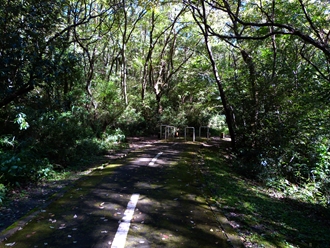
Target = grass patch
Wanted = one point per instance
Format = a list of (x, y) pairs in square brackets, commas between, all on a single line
[(259, 217)]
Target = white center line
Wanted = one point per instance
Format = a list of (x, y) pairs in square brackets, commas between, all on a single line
[(121, 234), (155, 159)]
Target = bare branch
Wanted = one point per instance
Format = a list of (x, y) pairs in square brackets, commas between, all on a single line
[(276, 29), (309, 20)]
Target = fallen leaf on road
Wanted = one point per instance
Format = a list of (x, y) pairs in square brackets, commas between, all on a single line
[(10, 244)]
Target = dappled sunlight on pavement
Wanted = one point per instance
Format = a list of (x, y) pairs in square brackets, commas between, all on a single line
[(170, 208)]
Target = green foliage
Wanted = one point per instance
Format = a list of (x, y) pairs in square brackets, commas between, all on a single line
[(265, 217), (3, 191), (280, 115), (21, 121), (321, 172), (57, 136), (28, 47), (22, 167), (63, 96), (59, 139), (175, 118), (114, 136), (131, 122), (218, 125), (7, 141)]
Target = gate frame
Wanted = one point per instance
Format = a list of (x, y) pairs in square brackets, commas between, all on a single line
[(167, 131), (207, 131), (185, 133), (160, 134)]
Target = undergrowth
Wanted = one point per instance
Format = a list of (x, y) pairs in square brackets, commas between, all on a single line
[(28, 161), (264, 217)]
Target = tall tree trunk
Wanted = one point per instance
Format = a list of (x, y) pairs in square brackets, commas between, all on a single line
[(203, 25), (228, 110), (124, 74), (146, 66), (123, 57)]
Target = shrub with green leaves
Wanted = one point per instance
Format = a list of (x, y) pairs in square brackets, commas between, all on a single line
[(217, 123), (22, 167), (131, 122), (114, 136), (3, 191)]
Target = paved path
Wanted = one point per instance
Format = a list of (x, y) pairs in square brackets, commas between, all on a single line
[(146, 200)]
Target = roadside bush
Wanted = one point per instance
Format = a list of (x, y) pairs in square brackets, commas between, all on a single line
[(113, 136), (301, 168), (3, 191), (173, 118), (109, 140), (249, 164), (59, 135), (131, 122), (22, 167), (85, 147), (50, 138), (217, 124)]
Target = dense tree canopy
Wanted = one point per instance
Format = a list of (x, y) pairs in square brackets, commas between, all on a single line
[(75, 75)]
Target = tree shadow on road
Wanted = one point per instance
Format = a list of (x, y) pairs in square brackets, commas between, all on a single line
[(171, 211)]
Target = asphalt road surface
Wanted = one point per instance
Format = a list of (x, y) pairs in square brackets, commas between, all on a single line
[(152, 198)]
